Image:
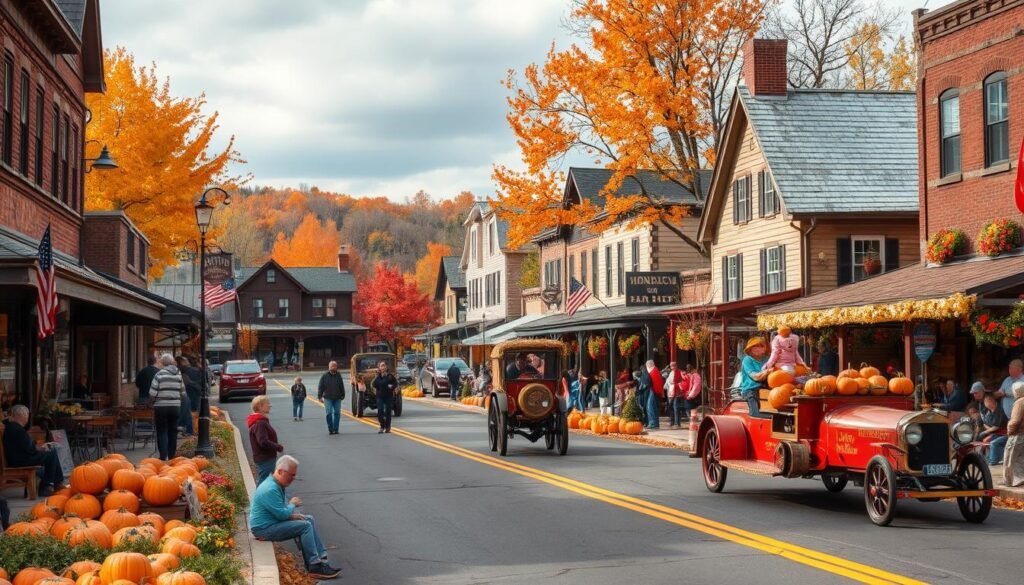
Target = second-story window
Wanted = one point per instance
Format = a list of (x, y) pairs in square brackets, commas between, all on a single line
[(768, 202), (75, 178), (40, 117), (318, 308), (572, 266), (773, 270), (620, 275), (65, 193), (472, 244), (607, 271), (271, 276), (594, 273), (949, 126), (741, 206), (732, 277), (257, 308), (997, 115), (23, 134), (635, 249), (131, 248), (282, 308), (8, 137), (332, 307)]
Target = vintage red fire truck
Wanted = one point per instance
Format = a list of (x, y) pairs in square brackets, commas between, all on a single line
[(878, 442)]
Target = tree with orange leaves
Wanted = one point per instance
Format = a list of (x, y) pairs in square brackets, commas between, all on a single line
[(649, 91), (390, 305), (312, 244), (428, 265), (162, 146)]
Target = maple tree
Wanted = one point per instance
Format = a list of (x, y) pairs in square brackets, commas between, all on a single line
[(162, 144), (871, 67), (390, 305), (649, 90), (311, 244), (428, 266)]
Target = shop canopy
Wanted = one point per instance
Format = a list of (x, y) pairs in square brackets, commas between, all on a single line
[(504, 332), (597, 319), (913, 293), (461, 327)]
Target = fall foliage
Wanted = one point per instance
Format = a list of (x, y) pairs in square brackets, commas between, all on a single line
[(428, 266), (871, 67), (248, 340), (390, 305), (162, 146), (649, 90), (311, 244)]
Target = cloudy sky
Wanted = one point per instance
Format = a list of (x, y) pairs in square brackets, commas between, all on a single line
[(367, 97)]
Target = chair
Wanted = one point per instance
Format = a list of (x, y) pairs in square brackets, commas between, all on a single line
[(142, 427), (18, 476)]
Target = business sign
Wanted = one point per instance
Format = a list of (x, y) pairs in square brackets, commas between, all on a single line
[(924, 340), (218, 267), (651, 289)]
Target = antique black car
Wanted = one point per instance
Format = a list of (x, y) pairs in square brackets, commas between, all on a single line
[(363, 369)]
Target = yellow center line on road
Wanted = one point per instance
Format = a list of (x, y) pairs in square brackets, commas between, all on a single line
[(819, 560)]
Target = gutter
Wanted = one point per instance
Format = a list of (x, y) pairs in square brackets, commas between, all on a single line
[(805, 259)]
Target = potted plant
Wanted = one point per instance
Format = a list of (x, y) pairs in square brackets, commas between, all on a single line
[(597, 346), (945, 244), (872, 263), (999, 236), (629, 345)]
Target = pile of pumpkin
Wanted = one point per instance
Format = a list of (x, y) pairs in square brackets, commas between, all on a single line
[(604, 424), (102, 507), (868, 380), (474, 401), (412, 392)]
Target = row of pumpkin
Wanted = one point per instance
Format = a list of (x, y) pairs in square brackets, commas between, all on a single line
[(868, 380), (604, 424)]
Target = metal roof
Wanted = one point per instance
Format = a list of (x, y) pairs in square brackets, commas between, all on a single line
[(834, 151), (188, 295), (589, 183), (504, 332), (313, 279)]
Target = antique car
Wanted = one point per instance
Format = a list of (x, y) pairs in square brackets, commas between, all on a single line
[(526, 397), (363, 369), (433, 376), (878, 442)]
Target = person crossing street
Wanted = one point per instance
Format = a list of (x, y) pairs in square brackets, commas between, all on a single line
[(331, 391), (384, 385)]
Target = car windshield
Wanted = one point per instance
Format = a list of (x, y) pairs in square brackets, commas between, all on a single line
[(443, 365), (531, 365), (243, 368), (370, 363)]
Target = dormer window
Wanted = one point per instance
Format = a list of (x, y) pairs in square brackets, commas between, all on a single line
[(271, 276)]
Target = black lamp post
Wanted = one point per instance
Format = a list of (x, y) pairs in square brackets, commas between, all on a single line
[(204, 215)]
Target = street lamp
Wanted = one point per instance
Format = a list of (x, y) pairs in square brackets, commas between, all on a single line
[(204, 215), (104, 162)]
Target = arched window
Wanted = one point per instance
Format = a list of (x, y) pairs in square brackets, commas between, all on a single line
[(949, 126), (997, 114)]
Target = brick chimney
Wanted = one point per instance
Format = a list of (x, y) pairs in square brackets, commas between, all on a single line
[(764, 67), (343, 258)]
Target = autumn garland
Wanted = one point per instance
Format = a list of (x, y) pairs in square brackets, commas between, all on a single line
[(955, 306), (629, 345), (946, 243), (999, 236)]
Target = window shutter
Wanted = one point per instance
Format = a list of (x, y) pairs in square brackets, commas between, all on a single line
[(892, 254), (739, 277), (844, 261), (782, 265), (750, 197), (760, 193), (735, 202), (764, 270), (725, 278)]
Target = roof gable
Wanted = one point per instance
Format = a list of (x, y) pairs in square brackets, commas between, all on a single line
[(246, 276), (311, 279), (449, 273)]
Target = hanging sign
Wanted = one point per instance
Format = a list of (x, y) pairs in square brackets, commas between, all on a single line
[(650, 289), (218, 267), (924, 340)]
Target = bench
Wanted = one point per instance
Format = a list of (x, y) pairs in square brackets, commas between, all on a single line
[(18, 476)]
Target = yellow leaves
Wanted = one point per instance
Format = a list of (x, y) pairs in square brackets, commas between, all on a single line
[(428, 266), (312, 244), (871, 67), (953, 307)]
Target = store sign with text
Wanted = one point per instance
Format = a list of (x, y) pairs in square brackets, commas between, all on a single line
[(652, 289), (218, 267)]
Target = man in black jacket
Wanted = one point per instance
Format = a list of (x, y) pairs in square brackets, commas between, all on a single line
[(21, 451), (331, 391), (384, 385), (454, 381), (144, 379)]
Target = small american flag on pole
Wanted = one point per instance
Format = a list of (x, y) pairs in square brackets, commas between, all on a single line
[(578, 295), (46, 288), (219, 294)]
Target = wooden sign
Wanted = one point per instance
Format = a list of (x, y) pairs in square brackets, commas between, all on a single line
[(195, 508), (650, 289), (63, 449), (218, 267)]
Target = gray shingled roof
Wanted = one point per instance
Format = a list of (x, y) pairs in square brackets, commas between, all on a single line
[(455, 276), (839, 151), (315, 280), (74, 13), (589, 183), (188, 295)]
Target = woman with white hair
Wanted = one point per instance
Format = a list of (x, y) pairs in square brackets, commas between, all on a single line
[(168, 394), (1013, 460)]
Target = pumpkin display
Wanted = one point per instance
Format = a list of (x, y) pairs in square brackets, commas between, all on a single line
[(84, 506), (831, 382), (44, 510), (168, 560), (180, 548), (867, 371), (119, 518), (632, 427), (185, 533), (90, 578), (779, 377), (89, 531), (31, 575), (613, 426), (879, 385), (126, 565), (863, 385), (202, 492), (89, 478), (847, 386), (25, 528), (55, 580), (60, 527), (849, 373), (153, 462), (181, 578), (134, 534), (599, 427), (76, 570), (112, 466), (161, 491), (122, 499), (815, 387), (146, 472), (154, 520), (900, 384), (128, 480), (172, 524), (46, 523), (58, 502), (202, 462), (780, 395)]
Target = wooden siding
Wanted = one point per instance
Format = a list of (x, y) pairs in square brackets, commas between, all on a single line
[(823, 240), (751, 237), (486, 264), (575, 248), (671, 253), (512, 293)]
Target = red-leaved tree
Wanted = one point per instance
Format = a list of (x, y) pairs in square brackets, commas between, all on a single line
[(391, 306)]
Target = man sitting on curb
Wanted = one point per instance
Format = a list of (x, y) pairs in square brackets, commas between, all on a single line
[(274, 519)]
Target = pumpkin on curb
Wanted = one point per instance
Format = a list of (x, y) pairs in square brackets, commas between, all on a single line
[(121, 499), (180, 548), (126, 565), (89, 478), (632, 427)]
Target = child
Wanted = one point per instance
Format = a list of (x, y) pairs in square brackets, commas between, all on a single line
[(298, 398), (974, 417), (785, 349)]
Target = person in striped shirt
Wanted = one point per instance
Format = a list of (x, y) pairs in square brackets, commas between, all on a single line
[(168, 393)]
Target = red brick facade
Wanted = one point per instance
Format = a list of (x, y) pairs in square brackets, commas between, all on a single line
[(113, 245), (764, 67), (961, 45)]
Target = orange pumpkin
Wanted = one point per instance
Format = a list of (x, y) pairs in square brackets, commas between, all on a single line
[(168, 560), (153, 462), (58, 502), (202, 492), (154, 520), (632, 427), (126, 565), (832, 384), (180, 548), (25, 528), (127, 582), (178, 459), (172, 524), (119, 518), (599, 427), (879, 385), (116, 456), (66, 492), (55, 580), (84, 506), (89, 478), (161, 491), (122, 499), (778, 378), (46, 523), (44, 510), (3, 574), (31, 575), (780, 396), (185, 533), (867, 371), (90, 578), (60, 527), (146, 472), (900, 384), (80, 568), (181, 578), (127, 479), (202, 462), (816, 387), (613, 426), (111, 466), (90, 531), (863, 385), (802, 370), (4, 581), (134, 534), (847, 386)]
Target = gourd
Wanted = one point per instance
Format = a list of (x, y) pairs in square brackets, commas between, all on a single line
[(134, 534)]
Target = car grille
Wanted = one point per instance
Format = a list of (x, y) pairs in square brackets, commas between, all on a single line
[(933, 448)]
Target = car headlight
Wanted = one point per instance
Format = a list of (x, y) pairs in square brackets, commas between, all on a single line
[(913, 434), (963, 433)]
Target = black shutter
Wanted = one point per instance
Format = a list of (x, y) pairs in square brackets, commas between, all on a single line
[(739, 276), (892, 254), (760, 193), (844, 261), (782, 265), (725, 278), (750, 197), (735, 202), (764, 271)]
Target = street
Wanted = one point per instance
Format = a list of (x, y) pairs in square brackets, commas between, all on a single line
[(431, 504)]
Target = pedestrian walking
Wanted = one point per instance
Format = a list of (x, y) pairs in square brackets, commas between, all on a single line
[(694, 394), (144, 379), (262, 438), (331, 391), (168, 394), (298, 398), (454, 375), (605, 394), (384, 385), (676, 386), (185, 412), (657, 390)]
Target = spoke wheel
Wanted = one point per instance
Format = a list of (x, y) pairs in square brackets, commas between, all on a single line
[(711, 462), (974, 474), (562, 425), (502, 433), (492, 426), (880, 491), (549, 436), (834, 482)]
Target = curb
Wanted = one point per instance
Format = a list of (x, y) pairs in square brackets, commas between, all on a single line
[(264, 571)]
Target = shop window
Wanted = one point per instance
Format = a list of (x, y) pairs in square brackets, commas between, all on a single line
[(949, 125), (282, 308), (257, 308), (997, 115)]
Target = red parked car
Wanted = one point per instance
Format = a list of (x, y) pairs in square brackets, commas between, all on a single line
[(241, 378)]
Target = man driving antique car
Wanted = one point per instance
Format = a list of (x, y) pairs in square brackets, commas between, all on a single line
[(520, 369)]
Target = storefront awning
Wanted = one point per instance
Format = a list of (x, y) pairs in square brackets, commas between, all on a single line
[(462, 328), (912, 293), (173, 315), (615, 317), (501, 333), (309, 328)]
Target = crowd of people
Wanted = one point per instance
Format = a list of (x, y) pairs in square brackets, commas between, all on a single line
[(997, 415)]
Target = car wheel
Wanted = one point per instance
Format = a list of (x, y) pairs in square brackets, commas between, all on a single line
[(549, 436), (355, 401), (834, 482), (360, 404), (880, 491), (492, 426), (974, 474), (711, 462), (396, 408), (502, 433), (562, 424)]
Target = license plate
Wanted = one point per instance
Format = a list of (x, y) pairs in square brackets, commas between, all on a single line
[(243, 380), (938, 469)]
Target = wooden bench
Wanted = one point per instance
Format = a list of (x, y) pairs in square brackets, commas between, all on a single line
[(18, 476)]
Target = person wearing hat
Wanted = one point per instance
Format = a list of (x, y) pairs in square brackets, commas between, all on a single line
[(754, 374)]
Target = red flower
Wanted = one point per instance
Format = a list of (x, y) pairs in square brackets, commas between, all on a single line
[(991, 327), (1014, 343), (1018, 332), (983, 318)]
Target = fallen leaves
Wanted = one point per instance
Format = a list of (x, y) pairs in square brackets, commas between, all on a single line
[(291, 568), (1008, 503)]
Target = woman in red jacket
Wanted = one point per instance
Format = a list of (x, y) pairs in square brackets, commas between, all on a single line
[(262, 438)]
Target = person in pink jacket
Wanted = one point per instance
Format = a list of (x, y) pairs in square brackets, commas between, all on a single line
[(785, 350)]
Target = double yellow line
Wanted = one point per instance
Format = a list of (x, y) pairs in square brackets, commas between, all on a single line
[(825, 562)]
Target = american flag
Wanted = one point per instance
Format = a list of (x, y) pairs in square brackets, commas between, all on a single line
[(219, 294), (46, 287), (578, 295)]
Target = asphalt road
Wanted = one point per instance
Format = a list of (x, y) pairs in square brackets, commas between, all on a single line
[(430, 503)]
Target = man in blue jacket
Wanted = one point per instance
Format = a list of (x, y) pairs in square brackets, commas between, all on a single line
[(273, 518)]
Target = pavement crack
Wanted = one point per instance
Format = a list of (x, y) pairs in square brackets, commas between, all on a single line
[(358, 528)]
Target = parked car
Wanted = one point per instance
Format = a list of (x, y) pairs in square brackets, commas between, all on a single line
[(362, 370), (403, 373), (241, 378), (525, 398), (414, 360), (433, 376)]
